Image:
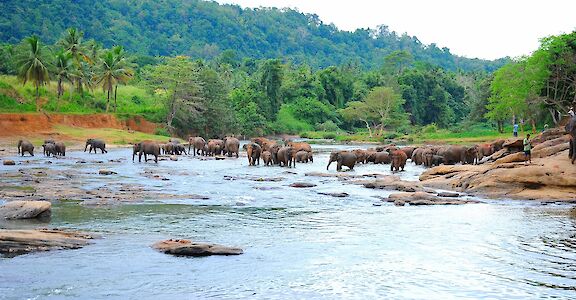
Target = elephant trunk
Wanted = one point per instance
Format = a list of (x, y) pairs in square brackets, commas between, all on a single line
[(86, 147), (328, 166)]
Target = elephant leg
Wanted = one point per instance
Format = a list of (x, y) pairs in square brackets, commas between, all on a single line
[(155, 158)]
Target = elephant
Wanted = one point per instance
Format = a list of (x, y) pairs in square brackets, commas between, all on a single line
[(267, 158), (427, 155), (197, 143), (95, 144), (470, 155), (263, 142), (179, 149), (49, 149), (215, 147), (361, 155), (452, 154), (483, 150), (370, 156), (497, 145), (302, 146), (382, 158), (168, 148), (302, 156), (384, 148), (274, 148), (60, 148), (437, 160), (399, 158), (25, 146), (49, 141), (146, 148), (231, 146), (571, 129), (417, 156), (287, 157), (408, 151), (253, 151), (342, 158), (174, 141)]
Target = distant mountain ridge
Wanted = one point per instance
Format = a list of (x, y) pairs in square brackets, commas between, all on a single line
[(205, 29)]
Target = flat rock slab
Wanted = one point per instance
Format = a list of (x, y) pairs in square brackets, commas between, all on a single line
[(423, 198), (16, 242), (25, 210), (189, 248), (302, 185)]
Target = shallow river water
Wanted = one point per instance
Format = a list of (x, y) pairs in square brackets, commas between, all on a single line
[(297, 243)]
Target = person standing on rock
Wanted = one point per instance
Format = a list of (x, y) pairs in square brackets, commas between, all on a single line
[(527, 149), (515, 130)]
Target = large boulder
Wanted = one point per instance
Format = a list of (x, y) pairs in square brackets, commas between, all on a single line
[(15, 242), (394, 183), (25, 210), (189, 248)]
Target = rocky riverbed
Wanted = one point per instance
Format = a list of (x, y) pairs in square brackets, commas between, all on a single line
[(304, 232)]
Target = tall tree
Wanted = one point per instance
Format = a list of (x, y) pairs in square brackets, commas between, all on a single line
[(112, 70), (71, 41), (63, 71), (271, 81), (33, 65)]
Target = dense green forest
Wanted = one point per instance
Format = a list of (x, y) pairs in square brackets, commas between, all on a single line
[(203, 29)]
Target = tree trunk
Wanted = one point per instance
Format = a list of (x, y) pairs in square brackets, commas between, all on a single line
[(37, 97), (108, 101), (500, 126), (60, 92), (533, 126), (115, 102), (369, 130)]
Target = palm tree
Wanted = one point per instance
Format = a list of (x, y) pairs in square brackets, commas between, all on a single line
[(33, 65), (63, 71), (120, 57), (72, 42), (112, 69)]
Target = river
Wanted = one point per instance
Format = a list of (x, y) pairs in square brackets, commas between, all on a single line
[(297, 243)]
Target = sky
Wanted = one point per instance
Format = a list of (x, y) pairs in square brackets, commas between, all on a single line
[(487, 29)]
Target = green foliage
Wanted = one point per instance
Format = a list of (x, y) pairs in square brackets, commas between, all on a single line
[(206, 29), (287, 122), (327, 126)]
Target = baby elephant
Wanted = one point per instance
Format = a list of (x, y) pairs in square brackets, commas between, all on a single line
[(95, 144), (254, 151), (49, 149), (267, 158), (25, 146), (302, 156), (342, 158)]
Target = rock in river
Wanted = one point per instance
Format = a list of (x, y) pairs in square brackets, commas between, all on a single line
[(189, 248), (8, 162), (25, 209), (423, 198), (15, 242), (106, 172), (302, 185)]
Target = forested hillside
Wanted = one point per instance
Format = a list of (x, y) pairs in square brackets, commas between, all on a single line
[(205, 29)]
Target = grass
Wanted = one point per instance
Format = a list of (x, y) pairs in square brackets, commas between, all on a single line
[(463, 134), (110, 135), (132, 100)]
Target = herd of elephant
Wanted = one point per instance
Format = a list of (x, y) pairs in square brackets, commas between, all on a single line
[(54, 148), (289, 153)]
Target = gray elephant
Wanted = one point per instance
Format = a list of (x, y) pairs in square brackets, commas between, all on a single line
[(215, 146), (146, 148), (427, 155), (571, 130), (267, 158), (179, 149), (25, 146), (287, 157), (95, 144), (231, 146), (274, 148), (198, 144), (382, 157), (60, 148), (452, 154), (437, 160), (342, 158), (49, 149), (302, 156)]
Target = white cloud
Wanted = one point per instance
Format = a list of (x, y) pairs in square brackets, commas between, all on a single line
[(486, 29)]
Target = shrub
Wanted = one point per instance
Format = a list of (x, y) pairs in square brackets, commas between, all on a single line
[(430, 128), (327, 126), (162, 131)]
